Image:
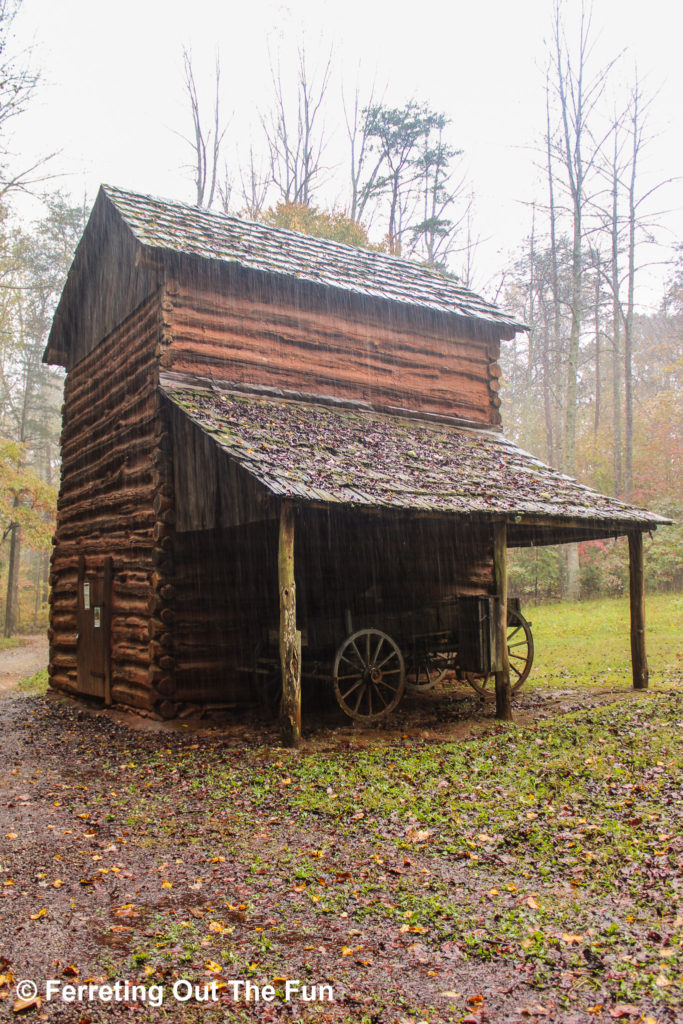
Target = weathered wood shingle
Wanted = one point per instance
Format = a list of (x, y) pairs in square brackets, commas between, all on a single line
[(176, 227), (361, 457)]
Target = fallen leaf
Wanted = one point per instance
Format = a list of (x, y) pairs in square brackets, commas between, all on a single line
[(126, 910), (419, 835), (221, 928), (27, 1004)]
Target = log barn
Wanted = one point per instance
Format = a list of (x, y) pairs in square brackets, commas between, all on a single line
[(269, 438)]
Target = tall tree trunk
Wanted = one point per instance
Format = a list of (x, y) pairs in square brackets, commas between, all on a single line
[(616, 341), (573, 351), (555, 277), (596, 420), (630, 304), (528, 398), (573, 573), (12, 599)]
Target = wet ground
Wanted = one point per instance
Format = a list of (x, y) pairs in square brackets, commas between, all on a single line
[(22, 662), (132, 848)]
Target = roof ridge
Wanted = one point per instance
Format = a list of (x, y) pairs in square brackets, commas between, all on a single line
[(196, 231), (298, 235)]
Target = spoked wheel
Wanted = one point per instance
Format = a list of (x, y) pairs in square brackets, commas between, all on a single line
[(426, 670), (369, 675), (520, 655)]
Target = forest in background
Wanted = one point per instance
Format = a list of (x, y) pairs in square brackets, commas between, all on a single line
[(593, 388)]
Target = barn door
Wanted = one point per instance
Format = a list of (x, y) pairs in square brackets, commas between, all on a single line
[(94, 600)]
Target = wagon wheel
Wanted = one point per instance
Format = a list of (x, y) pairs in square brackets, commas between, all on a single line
[(520, 654), (369, 675), (426, 670)]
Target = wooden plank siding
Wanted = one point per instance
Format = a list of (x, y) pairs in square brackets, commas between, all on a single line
[(115, 476), (233, 331)]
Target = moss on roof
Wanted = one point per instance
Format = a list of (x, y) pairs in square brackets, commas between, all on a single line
[(361, 457)]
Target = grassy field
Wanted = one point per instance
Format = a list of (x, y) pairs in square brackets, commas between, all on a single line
[(587, 643)]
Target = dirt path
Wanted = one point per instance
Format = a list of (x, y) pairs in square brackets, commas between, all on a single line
[(22, 662)]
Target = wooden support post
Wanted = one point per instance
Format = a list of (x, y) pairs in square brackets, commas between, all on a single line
[(290, 639), (637, 591), (500, 572)]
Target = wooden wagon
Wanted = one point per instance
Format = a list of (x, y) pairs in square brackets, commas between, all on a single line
[(370, 659)]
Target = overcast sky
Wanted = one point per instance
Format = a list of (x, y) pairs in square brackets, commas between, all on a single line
[(112, 100)]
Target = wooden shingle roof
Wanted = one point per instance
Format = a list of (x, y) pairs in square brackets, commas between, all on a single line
[(160, 224), (337, 454)]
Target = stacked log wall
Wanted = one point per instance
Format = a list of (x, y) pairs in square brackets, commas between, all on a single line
[(231, 329), (116, 499)]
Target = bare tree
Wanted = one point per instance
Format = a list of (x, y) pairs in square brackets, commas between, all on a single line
[(597, 303), (469, 247), (206, 143), (623, 220), (296, 139), (555, 289), (362, 179), (255, 181), (18, 84), (576, 149), (616, 311)]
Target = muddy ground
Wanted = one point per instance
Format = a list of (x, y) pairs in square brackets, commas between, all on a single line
[(22, 662)]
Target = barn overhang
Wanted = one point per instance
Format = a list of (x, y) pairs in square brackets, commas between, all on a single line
[(341, 455)]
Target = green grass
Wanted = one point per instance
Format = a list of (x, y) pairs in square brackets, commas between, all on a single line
[(35, 684), (587, 643), (8, 642)]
